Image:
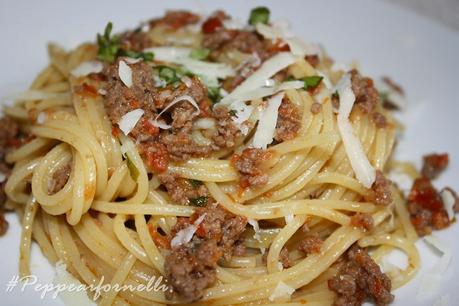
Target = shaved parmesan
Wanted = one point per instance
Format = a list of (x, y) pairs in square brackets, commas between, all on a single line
[(280, 266), (364, 171), (280, 30), (256, 235), (282, 290), (256, 228), (262, 92), (209, 72), (75, 297), (300, 48), (258, 79), (275, 31), (243, 113), (185, 235), (448, 201), (2, 177), (175, 101), (289, 218), (125, 73), (86, 68), (266, 128), (41, 118), (131, 60), (431, 281), (187, 81), (129, 120)]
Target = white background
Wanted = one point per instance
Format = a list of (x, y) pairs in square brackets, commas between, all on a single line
[(387, 40)]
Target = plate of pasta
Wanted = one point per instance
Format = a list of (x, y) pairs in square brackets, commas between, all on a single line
[(228, 154)]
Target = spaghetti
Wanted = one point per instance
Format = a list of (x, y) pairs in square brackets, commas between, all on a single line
[(281, 151)]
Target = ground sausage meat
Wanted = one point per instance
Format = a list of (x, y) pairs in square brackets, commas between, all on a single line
[(59, 179), (366, 95), (284, 258), (157, 146), (380, 190), (379, 120), (316, 108), (310, 244), (434, 164), (360, 279), (227, 131), (121, 99), (288, 122), (426, 208), (313, 60), (183, 191), (248, 164), (191, 268), (175, 19), (363, 221), (9, 133)]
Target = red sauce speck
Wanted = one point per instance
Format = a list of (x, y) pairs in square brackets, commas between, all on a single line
[(157, 159), (211, 25), (424, 194)]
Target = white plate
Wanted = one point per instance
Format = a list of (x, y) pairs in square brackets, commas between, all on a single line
[(421, 55)]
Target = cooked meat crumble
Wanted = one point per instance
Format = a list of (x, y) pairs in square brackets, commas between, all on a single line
[(360, 279), (191, 268), (9, 138), (248, 164)]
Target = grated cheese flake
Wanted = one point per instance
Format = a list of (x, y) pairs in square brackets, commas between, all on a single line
[(2, 177), (207, 71), (129, 120), (266, 128), (282, 290), (125, 73), (185, 235), (41, 118), (87, 68), (363, 170), (289, 218), (243, 112), (258, 79), (264, 91), (448, 201)]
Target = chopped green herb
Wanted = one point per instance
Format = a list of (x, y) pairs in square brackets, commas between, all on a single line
[(214, 94), (383, 95), (199, 201), (146, 56), (132, 169), (195, 183), (168, 74), (233, 112), (108, 45), (200, 54), (259, 14), (312, 81)]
